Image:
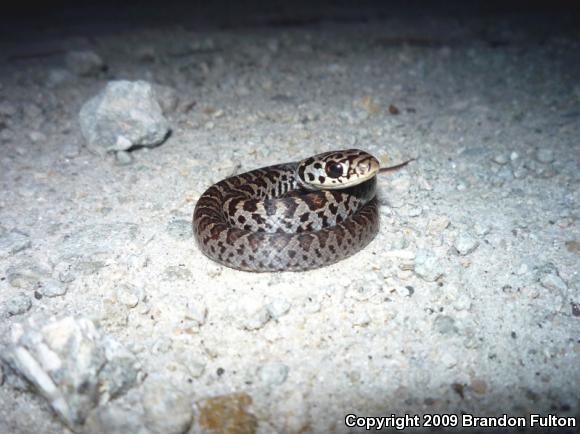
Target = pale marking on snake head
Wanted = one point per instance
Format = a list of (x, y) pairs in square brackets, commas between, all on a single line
[(337, 169)]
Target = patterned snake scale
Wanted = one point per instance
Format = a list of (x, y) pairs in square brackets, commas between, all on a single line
[(291, 217)]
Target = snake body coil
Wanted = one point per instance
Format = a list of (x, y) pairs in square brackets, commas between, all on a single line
[(294, 216)]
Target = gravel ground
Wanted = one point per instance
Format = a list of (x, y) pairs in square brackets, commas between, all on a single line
[(468, 300)]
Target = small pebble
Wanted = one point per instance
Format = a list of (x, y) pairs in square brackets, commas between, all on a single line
[(128, 295), (84, 63), (196, 311), (251, 314), (162, 345), (168, 98), (167, 410), (465, 243), (448, 360), (52, 288), (553, 282), (13, 242), (414, 211), (438, 224), (278, 307), (70, 150), (479, 386), (500, 159), (545, 155), (226, 414), (26, 275), (37, 136), (57, 77), (360, 318), (273, 374), (393, 109), (522, 269), (16, 305), (428, 266), (444, 325)]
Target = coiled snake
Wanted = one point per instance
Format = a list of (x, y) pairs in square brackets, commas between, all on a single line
[(291, 217)]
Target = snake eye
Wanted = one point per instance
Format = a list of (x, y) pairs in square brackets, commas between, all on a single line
[(333, 169)]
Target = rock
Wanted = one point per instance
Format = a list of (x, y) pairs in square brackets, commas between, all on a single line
[(191, 362), (479, 386), (545, 155), (273, 374), (16, 305), (128, 295), (360, 318), (177, 272), (226, 414), (124, 113), (447, 359), (98, 238), (52, 288), (70, 150), (26, 275), (572, 246), (123, 158), (444, 325), (553, 282), (112, 419), (71, 363), (84, 63), (58, 76), (251, 314), (36, 136), (427, 266), (146, 53), (438, 224), (465, 243), (167, 410), (500, 159), (167, 98), (13, 242), (278, 307)]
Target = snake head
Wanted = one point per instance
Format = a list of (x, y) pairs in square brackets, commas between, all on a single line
[(337, 169)]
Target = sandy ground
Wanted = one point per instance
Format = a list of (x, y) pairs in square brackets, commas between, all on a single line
[(468, 300)]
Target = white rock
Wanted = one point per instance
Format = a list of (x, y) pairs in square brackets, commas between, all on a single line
[(128, 295), (553, 282), (251, 314), (278, 307), (71, 364), (438, 224), (428, 266), (113, 419), (52, 288), (123, 109), (273, 374), (13, 242), (545, 155), (500, 159), (167, 410), (16, 305), (465, 243)]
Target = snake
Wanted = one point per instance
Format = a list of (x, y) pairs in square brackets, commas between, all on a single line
[(291, 217)]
